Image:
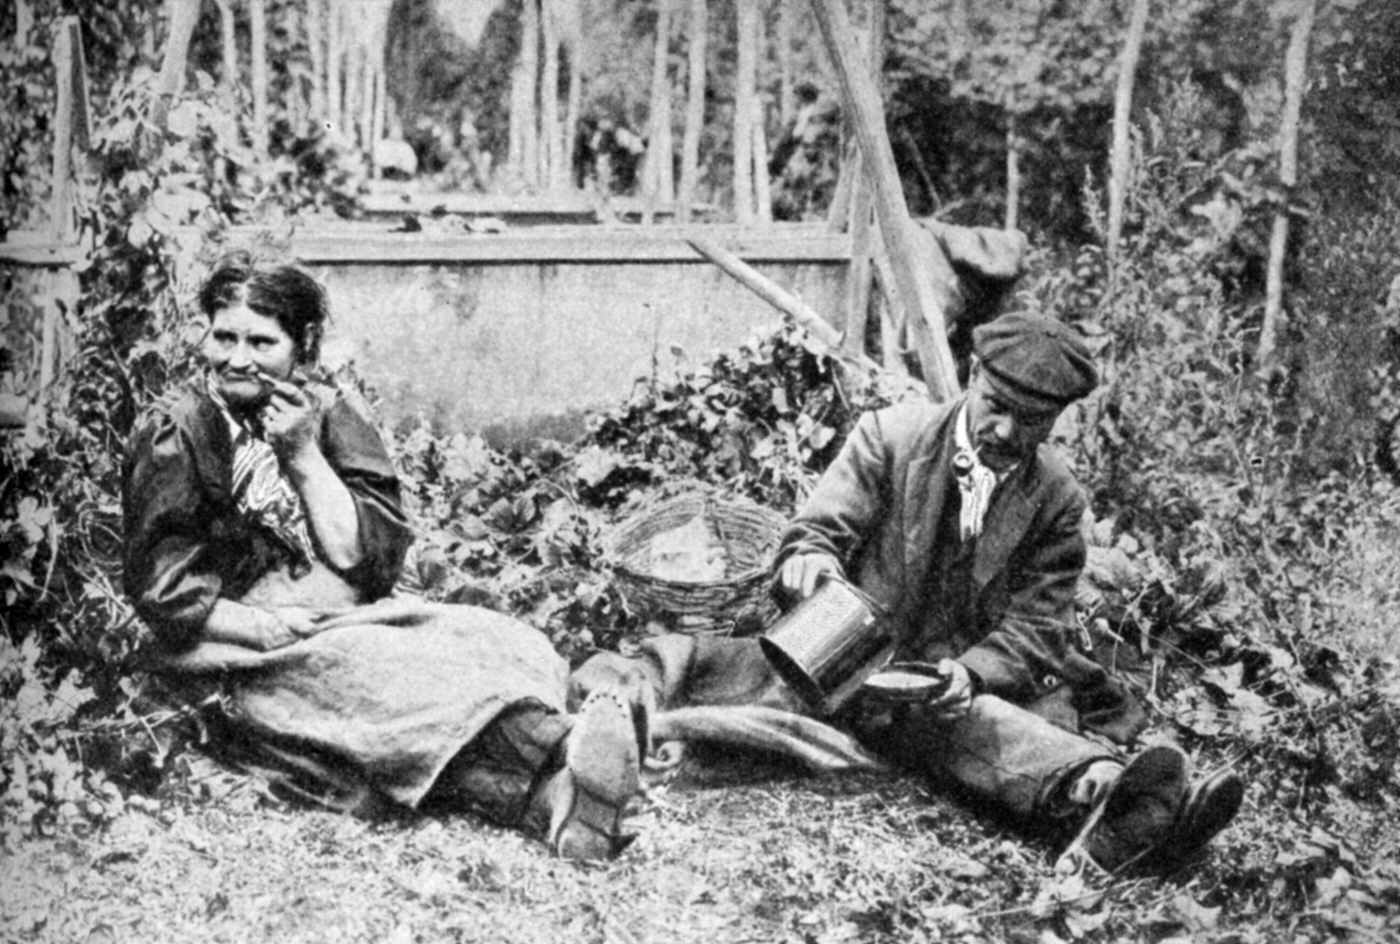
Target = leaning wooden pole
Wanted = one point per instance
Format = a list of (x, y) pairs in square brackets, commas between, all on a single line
[(862, 229), (1120, 155), (914, 274), (780, 298), (1295, 67)]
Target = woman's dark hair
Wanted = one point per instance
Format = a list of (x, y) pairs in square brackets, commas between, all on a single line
[(284, 293)]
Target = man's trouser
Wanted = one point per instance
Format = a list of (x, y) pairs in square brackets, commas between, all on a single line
[(998, 753)]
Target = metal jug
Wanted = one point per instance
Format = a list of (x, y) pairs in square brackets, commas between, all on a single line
[(827, 645)]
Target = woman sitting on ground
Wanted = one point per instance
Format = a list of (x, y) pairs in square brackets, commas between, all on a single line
[(264, 534)]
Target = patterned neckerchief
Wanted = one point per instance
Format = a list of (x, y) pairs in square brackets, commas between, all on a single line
[(261, 493), (976, 482)]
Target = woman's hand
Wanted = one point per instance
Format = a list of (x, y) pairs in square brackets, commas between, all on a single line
[(283, 625), (258, 628), (290, 420)]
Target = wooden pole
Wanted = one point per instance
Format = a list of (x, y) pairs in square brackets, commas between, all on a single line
[(257, 38), (334, 55), (694, 107), (858, 276), (1295, 76), (747, 25), (779, 297), (171, 80), (1120, 157), (71, 117), (914, 274), (893, 318)]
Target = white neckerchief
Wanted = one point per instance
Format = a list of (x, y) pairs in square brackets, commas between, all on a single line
[(976, 482)]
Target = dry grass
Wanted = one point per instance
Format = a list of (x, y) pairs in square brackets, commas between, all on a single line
[(735, 851)]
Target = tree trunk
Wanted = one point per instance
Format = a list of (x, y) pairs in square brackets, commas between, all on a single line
[(1013, 170), (914, 272), (1295, 75), (376, 128), (551, 161), (657, 183), (24, 22), (257, 37), (368, 68), (170, 82), (1121, 154), (529, 94), (762, 192), (229, 46), (334, 54), (694, 107), (316, 44), (744, 78), (787, 97), (573, 44)]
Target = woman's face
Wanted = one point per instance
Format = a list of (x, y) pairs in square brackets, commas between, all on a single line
[(240, 344)]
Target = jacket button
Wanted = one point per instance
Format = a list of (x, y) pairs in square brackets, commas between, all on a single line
[(1049, 681)]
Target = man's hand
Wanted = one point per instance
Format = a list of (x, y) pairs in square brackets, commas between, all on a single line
[(290, 419), (799, 574), (956, 699)]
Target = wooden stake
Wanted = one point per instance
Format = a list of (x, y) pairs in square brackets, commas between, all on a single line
[(61, 199), (913, 275)]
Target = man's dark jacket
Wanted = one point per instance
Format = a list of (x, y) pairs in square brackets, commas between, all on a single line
[(880, 509)]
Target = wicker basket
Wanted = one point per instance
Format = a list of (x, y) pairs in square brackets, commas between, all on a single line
[(740, 604)]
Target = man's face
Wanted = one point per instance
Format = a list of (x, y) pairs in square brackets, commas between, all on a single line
[(1002, 434)]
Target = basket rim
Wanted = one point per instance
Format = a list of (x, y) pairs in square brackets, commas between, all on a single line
[(611, 540)]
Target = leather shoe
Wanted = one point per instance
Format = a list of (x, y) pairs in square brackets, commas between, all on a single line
[(1135, 817), (588, 797), (1209, 806)]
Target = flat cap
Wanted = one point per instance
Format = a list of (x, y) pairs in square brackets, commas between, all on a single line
[(1037, 363)]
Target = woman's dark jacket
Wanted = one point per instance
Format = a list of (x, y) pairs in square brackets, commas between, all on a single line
[(186, 543)]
